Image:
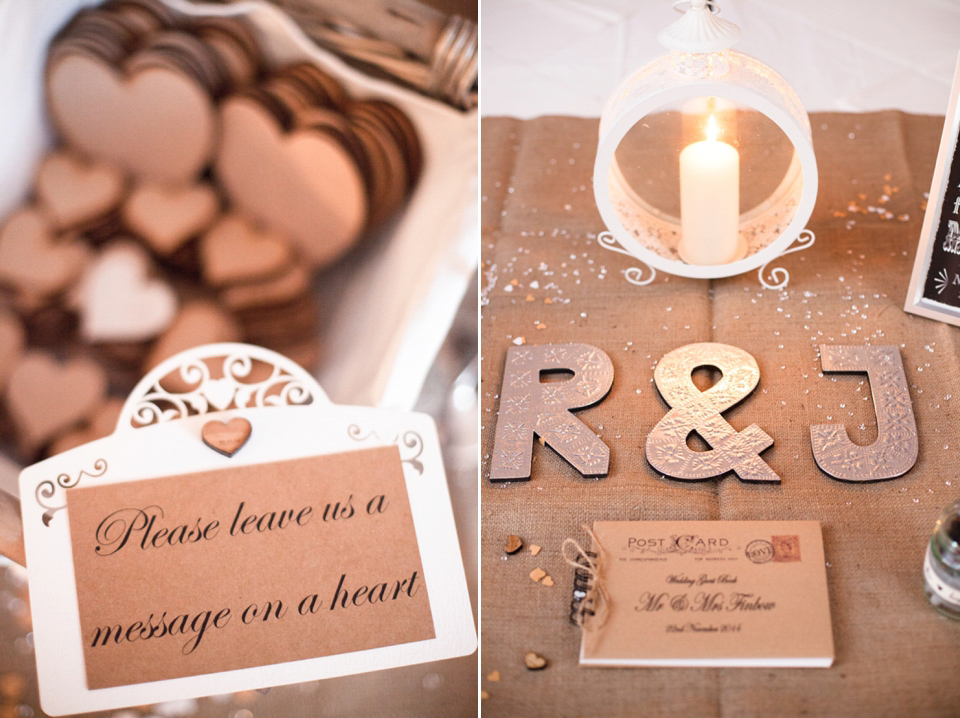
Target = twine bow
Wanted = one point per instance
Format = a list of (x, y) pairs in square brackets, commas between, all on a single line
[(596, 602)]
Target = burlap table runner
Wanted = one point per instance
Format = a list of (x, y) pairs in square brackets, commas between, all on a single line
[(546, 280)]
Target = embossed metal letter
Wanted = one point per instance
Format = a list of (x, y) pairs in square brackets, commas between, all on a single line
[(693, 410), (895, 451), (529, 405)]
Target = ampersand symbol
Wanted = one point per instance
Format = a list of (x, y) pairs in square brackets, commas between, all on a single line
[(693, 410)]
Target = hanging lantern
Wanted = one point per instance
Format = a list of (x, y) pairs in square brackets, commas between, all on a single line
[(705, 165)]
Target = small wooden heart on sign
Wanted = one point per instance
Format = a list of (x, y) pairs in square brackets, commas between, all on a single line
[(226, 438)]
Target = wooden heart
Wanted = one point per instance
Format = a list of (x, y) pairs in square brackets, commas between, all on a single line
[(156, 124), (118, 301), (46, 397), (102, 423), (286, 287), (168, 216), (198, 322), (75, 192), (534, 661), (226, 438), (12, 341), (32, 260), (305, 184), (235, 251)]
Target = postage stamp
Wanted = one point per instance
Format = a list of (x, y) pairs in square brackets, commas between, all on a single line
[(786, 549)]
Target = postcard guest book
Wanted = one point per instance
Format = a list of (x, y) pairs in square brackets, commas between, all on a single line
[(709, 593), (239, 531)]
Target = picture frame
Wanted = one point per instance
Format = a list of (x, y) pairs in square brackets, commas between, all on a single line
[(935, 283)]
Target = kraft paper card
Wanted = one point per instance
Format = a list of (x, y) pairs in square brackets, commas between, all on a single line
[(236, 533), (709, 593), (241, 567)]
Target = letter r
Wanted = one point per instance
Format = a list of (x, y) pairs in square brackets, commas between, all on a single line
[(529, 405)]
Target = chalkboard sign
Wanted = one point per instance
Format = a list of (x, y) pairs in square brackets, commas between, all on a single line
[(935, 284)]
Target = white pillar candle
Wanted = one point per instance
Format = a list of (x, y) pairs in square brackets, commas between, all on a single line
[(709, 200)]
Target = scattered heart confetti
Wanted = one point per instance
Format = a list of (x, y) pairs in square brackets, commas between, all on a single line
[(514, 544), (537, 573), (534, 661)]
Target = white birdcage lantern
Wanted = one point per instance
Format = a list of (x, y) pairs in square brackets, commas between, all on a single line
[(705, 165)]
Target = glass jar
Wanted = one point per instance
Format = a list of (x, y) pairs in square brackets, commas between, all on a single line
[(941, 566)]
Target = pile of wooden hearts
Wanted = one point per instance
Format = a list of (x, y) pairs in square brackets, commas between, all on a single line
[(193, 199), (276, 134)]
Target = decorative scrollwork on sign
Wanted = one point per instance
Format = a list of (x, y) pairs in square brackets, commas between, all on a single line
[(634, 275), (409, 442), (780, 277), (48, 490), (241, 383), (895, 451), (356, 433)]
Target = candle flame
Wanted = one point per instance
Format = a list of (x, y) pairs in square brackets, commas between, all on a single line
[(712, 129)]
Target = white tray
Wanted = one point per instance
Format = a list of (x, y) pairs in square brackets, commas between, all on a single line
[(388, 307)]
